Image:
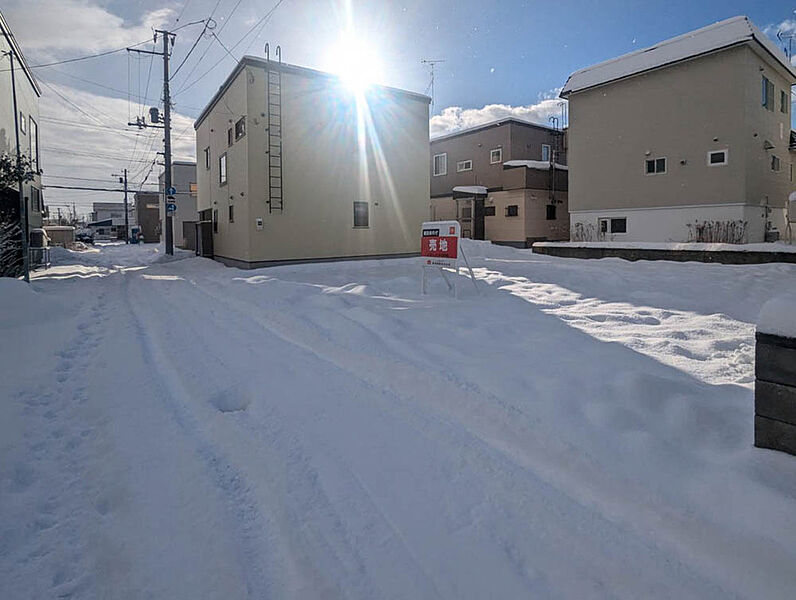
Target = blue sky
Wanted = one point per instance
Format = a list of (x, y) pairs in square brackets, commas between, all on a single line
[(513, 54)]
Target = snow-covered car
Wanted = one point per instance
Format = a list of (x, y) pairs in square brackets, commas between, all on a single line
[(84, 235)]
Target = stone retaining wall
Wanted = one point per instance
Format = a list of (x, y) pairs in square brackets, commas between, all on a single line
[(727, 257), (775, 393)]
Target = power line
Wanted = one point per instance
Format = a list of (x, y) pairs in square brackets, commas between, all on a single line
[(71, 60)]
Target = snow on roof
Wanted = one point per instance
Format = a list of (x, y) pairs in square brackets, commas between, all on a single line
[(533, 164), (470, 189), (723, 34)]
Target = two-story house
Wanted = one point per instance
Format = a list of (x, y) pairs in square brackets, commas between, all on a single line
[(688, 140), (504, 181), (296, 164), (19, 128)]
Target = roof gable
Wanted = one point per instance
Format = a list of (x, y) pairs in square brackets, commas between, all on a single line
[(717, 36)]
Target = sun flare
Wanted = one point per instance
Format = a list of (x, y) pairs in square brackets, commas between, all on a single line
[(356, 62)]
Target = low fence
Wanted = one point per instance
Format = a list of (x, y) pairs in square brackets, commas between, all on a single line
[(727, 257), (775, 392)]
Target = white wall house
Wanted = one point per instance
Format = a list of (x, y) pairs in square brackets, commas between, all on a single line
[(688, 140)]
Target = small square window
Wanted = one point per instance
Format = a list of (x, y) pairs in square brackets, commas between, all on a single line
[(551, 212), (231, 213), (489, 211), (240, 128), (440, 164), (655, 166), (360, 214), (464, 165), (619, 225), (546, 152), (496, 156), (717, 158), (512, 210)]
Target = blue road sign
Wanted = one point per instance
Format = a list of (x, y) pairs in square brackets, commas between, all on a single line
[(171, 191), (171, 207)]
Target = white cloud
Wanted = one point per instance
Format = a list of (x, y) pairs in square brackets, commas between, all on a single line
[(76, 145), (455, 118), (77, 25)]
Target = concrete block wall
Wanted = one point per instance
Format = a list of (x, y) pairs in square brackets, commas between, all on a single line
[(775, 393)]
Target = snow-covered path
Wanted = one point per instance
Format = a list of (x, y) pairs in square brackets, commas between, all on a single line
[(581, 429)]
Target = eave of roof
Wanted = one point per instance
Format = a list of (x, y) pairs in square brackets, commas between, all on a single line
[(495, 123), (9, 35), (707, 40), (255, 61)]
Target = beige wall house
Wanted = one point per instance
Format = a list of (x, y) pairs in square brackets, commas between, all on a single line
[(686, 141), (513, 161), (294, 165)]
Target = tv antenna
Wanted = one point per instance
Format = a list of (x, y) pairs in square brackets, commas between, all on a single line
[(782, 36), (431, 63)]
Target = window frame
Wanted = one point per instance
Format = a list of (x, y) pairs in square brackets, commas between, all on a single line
[(776, 160), (549, 152), (509, 210), (34, 143), (35, 199), (242, 123), (609, 225), (442, 172), (726, 152), (215, 220), (554, 212), (489, 211), (231, 213), (655, 166), (461, 169), (23, 129), (361, 203), (222, 170), (768, 92), (492, 160), (784, 102), (207, 158)]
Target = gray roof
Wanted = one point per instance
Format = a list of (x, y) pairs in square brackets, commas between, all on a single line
[(487, 125), (256, 61), (718, 36)]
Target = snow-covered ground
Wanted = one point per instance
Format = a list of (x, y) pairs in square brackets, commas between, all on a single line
[(580, 429)]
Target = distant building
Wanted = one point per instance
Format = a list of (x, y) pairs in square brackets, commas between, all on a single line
[(107, 219), (25, 128), (147, 215), (687, 140), (183, 179), (293, 165), (522, 169)]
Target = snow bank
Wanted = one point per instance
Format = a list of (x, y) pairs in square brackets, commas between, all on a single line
[(698, 247), (778, 316), (21, 305), (534, 164)]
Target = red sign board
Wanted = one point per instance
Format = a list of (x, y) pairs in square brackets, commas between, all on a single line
[(439, 246)]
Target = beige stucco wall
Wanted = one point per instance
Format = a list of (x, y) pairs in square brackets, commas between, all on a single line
[(324, 172)]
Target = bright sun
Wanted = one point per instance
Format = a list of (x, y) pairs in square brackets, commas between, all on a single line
[(356, 63)]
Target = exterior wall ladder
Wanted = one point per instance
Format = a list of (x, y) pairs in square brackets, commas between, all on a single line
[(273, 95)]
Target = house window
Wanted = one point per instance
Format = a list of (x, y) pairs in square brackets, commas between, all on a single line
[(717, 158), (22, 126), (464, 165), (489, 211), (440, 164), (34, 145), (546, 152), (35, 199), (618, 225), (222, 169), (495, 156), (229, 137), (192, 189), (768, 93), (467, 212), (231, 213), (215, 220), (512, 210), (207, 157), (240, 128), (775, 164), (360, 214), (783, 101), (655, 166), (551, 212)]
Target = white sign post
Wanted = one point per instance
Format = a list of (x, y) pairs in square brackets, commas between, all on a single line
[(440, 248)]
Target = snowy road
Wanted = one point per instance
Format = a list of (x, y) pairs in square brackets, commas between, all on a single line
[(581, 429)]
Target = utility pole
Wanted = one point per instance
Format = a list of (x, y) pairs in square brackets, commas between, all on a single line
[(168, 38), (23, 206), (126, 219), (431, 64)]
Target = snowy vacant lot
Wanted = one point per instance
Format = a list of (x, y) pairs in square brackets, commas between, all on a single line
[(581, 429)]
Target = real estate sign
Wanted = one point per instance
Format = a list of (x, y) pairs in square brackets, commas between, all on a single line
[(439, 244)]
